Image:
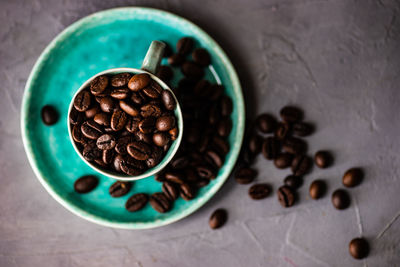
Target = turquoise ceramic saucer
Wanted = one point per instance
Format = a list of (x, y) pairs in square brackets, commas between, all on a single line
[(110, 39)]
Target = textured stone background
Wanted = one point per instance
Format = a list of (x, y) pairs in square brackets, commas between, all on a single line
[(337, 59)]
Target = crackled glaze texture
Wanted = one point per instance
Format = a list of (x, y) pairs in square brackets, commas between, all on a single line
[(338, 59)]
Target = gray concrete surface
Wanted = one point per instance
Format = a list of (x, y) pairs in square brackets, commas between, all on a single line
[(338, 59)]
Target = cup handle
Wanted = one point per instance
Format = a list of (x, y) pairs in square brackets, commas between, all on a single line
[(153, 57)]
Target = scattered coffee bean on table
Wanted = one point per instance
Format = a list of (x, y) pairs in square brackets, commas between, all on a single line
[(218, 218), (259, 191), (317, 189), (85, 184), (245, 175), (359, 248), (323, 159), (266, 123), (353, 177), (340, 199), (293, 181), (286, 196), (49, 115)]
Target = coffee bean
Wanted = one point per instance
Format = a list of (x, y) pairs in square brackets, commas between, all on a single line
[(139, 81), (120, 93), (214, 158), (136, 202), (119, 188), (294, 145), (286, 196), (302, 129), (147, 125), (353, 177), (340, 199), (301, 165), (174, 177), (49, 115), (118, 120), (153, 91), (155, 157), (107, 104), (317, 189), (102, 119), (259, 191), (359, 248), (131, 166), (161, 139), (218, 218), (185, 45), (75, 117), (291, 114), (173, 133), (120, 79), (179, 162), (176, 60), (116, 162), (91, 152), (98, 84), (147, 138), (192, 71), (85, 184), (160, 202), (139, 150), (323, 159), (245, 175), (224, 127), (168, 100), (105, 142), (202, 88), (137, 98), (129, 108), (122, 143), (221, 145), (77, 134), (108, 156), (165, 123), (187, 192), (82, 101), (91, 112), (206, 172), (293, 181), (226, 106), (165, 73), (100, 163), (91, 130), (132, 125), (271, 148), (282, 131), (255, 144), (201, 57), (283, 160), (201, 183), (216, 91), (170, 190), (266, 123), (150, 110)]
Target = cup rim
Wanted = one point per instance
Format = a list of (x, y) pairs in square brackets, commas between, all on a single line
[(165, 160)]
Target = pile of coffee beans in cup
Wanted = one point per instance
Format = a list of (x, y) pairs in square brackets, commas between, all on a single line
[(124, 123)]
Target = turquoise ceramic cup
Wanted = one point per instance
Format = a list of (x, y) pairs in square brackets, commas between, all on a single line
[(150, 65)]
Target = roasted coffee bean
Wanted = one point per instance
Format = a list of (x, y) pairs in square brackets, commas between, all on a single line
[(107, 104), (302, 128), (82, 101), (174, 176), (340, 199), (359, 248), (214, 158), (271, 147), (120, 79), (353, 177), (102, 119), (120, 93), (147, 125), (255, 144), (99, 84), (294, 146), (301, 165), (160, 202), (247, 156), (187, 192), (137, 98), (266, 123), (119, 188), (218, 218), (129, 108), (224, 127), (173, 133), (100, 162), (106, 142), (323, 159), (282, 131), (291, 114), (132, 124), (91, 130), (179, 162), (161, 139), (150, 110), (118, 120), (49, 115), (283, 160), (116, 162), (216, 91), (168, 100), (185, 45), (75, 117), (165, 73), (136, 202), (131, 166), (226, 106), (245, 175), (139, 81), (77, 134), (191, 176), (221, 145), (170, 190), (122, 143), (85, 184), (155, 157), (286, 196), (139, 150), (201, 57), (192, 71), (91, 152), (108, 156), (259, 191), (147, 138), (317, 189), (91, 112), (206, 172), (293, 181), (165, 123), (176, 60), (201, 182)]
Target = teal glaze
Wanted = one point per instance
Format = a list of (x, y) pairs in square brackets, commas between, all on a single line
[(110, 39)]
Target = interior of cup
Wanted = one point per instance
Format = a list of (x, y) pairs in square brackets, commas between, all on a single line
[(167, 157)]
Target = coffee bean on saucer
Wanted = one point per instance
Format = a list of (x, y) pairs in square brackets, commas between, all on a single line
[(359, 248), (120, 79), (245, 175), (174, 177), (218, 218), (165, 73), (176, 60), (293, 181), (201, 57), (160, 202), (170, 190), (192, 71), (185, 45), (317, 189), (353, 177), (340, 199), (302, 129), (291, 114), (82, 101), (271, 148), (85, 184), (283, 160), (139, 81), (49, 115), (259, 191), (286, 196), (266, 123), (136, 202), (323, 159), (119, 188), (301, 165), (187, 192)]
